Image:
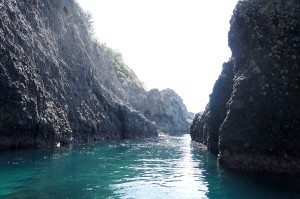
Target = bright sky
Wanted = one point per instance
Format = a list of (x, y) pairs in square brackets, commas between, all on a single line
[(177, 44)]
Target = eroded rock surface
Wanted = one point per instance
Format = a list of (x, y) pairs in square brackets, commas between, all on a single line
[(56, 85), (206, 126), (165, 108), (252, 120)]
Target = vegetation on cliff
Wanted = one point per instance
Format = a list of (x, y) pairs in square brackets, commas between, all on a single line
[(56, 86), (83, 19), (125, 74)]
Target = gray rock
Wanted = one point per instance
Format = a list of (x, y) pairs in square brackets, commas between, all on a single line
[(256, 70), (3, 58), (190, 117), (260, 133), (237, 104), (206, 126), (57, 86), (165, 108)]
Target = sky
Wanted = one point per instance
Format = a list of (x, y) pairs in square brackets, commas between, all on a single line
[(177, 44)]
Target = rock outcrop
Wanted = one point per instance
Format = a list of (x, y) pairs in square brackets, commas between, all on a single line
[(205, 127), (165, 108), (56, 85), (252, 120)]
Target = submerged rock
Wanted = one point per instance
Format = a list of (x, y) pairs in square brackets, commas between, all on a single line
[(253, 121), (57, 86)]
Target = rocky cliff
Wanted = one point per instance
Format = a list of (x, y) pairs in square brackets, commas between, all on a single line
[(56, 85), (252, 120), (165, 108)]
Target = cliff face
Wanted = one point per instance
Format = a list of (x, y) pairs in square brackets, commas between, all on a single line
[(55, 84), (252, 120), (205, 127), (165, 108)]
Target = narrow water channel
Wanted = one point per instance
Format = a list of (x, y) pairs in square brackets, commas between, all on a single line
[(165, 167)]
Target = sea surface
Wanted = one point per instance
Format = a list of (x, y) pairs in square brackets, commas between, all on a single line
[(159, 168)]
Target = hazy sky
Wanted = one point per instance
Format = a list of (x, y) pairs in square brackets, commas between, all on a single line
[(178, 44)]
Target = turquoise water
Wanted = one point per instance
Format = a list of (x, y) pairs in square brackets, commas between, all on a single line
[(164, 167)]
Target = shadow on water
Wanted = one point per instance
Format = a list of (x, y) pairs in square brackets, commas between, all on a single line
[(228, 184), (53, 173)]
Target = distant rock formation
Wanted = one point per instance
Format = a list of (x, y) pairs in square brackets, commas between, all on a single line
[(190, 117), (56, 85), (252, 120), (165, 108)]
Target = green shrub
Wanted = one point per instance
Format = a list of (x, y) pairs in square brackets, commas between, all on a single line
[(124, 73), (83, 19)]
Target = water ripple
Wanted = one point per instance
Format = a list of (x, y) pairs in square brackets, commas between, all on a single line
[(165, 167)]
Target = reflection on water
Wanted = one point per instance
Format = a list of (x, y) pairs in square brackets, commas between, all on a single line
[(162, 169), (165, 167)]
